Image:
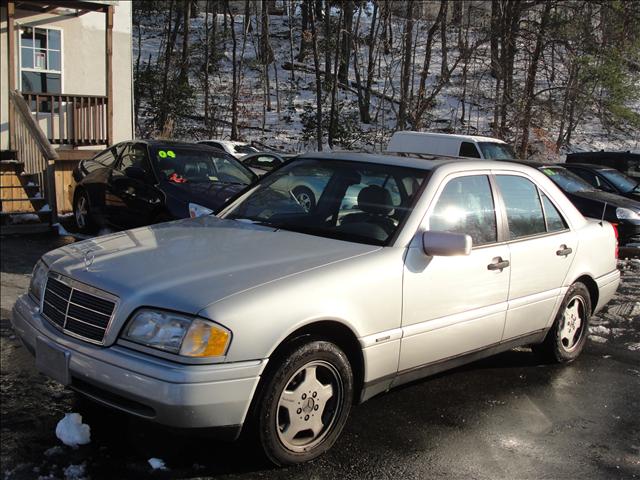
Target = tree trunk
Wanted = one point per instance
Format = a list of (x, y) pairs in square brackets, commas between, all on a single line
[(266, 52), (305, 6), (184, 61), (345, 52), (207, 40), (316, 62), (406, 66), (495, 38), (444, 69), (334, 85), (235, 79), (531, 80), (373, 33), (327, 46)]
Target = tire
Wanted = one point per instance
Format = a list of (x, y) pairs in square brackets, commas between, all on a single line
[(305, 197), (82, 213), (304, 404), (568, 335)]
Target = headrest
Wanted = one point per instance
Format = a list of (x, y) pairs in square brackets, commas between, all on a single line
[(375, 199)]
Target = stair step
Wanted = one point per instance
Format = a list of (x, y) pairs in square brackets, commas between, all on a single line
[(35, 185), (25, 212)]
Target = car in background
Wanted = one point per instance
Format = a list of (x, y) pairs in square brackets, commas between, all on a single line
[(262, 163), (591, 202), (237, 149), (274, 320), (626, 162), (451, 145), (607, 179), (143, 182)]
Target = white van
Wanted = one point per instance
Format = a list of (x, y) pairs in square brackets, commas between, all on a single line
[(469, 146)]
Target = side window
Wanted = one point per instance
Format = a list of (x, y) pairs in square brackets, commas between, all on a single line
[(135, 156), (466, 206), (524, 210), (468, 149), (107, 158), (586, 175), (555, 222)]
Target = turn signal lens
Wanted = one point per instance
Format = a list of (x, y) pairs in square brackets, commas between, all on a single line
[(205, 339)]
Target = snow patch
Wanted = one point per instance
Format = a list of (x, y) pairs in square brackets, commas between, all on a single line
[(599, 330), (634, 347), (597, 339), (157, 464), (61, 230), (25, 218), (75, 472), (72, 432)]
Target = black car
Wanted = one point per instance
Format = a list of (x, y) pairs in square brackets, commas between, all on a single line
[(626, 162), (262, 163), (621, 211), (142, 182), (607, 179)]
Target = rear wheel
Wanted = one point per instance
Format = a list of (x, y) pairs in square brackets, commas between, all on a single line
[(569, 332), (305, 403)]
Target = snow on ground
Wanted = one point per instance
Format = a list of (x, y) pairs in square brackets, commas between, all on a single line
[(72, 432), (157, 464)]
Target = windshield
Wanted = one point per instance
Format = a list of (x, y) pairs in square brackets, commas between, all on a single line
[(496, 151), (241, 148), (190, 165), (567, 181), (353, 201), (620, 180)]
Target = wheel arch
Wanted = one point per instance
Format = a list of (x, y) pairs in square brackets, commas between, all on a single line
[(335, 332), (592, 287)]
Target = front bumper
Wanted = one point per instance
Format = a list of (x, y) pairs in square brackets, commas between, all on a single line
[(176, 395)]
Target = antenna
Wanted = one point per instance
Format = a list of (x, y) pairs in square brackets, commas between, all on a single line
[(603, 212)]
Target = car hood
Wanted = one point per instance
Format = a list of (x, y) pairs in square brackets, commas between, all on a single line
[(188, 264), (208, 194), (591, 203)]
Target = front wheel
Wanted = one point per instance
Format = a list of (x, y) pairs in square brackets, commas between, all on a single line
[(82, 213), (568, 335), (305, 403), (305, 197)]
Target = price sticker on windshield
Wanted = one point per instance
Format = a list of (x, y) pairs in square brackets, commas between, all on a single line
[(549, 172), (162, 154), (171, 154)]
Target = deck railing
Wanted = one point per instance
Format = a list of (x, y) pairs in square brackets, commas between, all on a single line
[(67, 119)]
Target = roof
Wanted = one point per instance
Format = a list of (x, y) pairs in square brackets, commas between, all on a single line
[(591, 166), (170, 143), (422, 162), (602, 154), (476, 138)]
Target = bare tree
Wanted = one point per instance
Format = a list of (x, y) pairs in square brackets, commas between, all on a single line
[(406, 65)]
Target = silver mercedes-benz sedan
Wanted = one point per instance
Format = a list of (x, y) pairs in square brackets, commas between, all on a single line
[(275, 318)]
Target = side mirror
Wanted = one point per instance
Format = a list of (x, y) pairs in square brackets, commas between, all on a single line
[(136, 173), (445, 244)]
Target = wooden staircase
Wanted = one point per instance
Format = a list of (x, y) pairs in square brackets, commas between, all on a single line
[(27, 175)]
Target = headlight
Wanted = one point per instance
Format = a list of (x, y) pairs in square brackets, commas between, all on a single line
[(38, 280), (196, 210), (177, 333), (627, 214)]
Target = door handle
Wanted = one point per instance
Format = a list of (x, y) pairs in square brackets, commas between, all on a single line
[(498, 264), (564, 251)]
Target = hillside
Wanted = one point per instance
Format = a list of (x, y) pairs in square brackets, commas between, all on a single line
[(468, 93)]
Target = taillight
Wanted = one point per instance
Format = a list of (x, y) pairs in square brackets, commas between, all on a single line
[(615, 232)]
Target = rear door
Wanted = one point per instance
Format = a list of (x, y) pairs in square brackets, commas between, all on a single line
[(542, 248), (456, 305)]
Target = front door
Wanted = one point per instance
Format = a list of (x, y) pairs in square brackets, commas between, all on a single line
[(134, 198), (456, 305)]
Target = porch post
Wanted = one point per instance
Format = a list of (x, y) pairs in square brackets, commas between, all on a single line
[(109, 50), (11, 63)]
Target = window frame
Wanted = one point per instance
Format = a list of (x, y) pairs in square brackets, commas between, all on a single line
[(41, 70), (503, 209), (501, 226)]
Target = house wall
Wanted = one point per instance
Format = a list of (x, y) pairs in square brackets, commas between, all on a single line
[(83, 60)]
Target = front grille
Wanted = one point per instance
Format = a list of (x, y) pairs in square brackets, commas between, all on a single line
[(79, 310)]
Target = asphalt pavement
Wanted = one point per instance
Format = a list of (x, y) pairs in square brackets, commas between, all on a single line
[(506, 417)]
